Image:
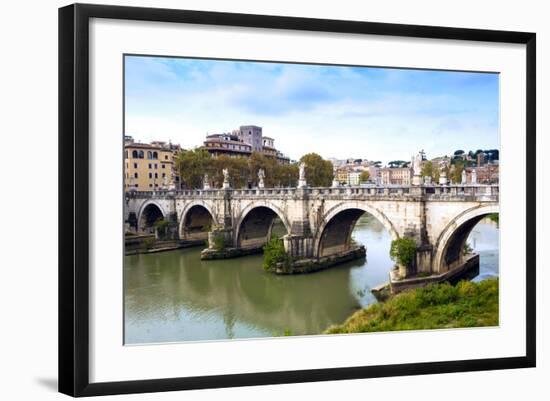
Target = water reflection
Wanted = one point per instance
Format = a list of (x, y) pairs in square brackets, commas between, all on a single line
[(174, 296)]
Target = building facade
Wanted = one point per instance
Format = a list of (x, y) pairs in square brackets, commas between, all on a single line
[(350, 176), (150, 166), (227, 144), (486, 174), (395, 176), (242, 142)]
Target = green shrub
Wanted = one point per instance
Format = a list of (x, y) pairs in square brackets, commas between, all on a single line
[(467, 249), (148, 243), (494, 217), (161, 227), (219, 242), (403, 251), (274, 253), (436, 306)]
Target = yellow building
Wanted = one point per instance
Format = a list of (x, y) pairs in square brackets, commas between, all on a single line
[(150, 166), (342, 175)]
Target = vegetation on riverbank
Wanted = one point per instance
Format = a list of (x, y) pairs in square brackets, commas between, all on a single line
[(275, 255), (403, 251), (436, 306)]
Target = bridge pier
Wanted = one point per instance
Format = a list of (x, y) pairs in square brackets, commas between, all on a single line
[(171, 229), (298, 246), (423, 262)]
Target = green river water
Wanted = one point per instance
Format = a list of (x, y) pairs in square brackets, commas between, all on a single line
[(174, 296)]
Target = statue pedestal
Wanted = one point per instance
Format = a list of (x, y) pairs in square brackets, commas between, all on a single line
[(302, 183), (225, 185), (417, 180)]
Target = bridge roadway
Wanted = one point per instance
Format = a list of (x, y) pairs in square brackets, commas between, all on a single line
[(319, 221)]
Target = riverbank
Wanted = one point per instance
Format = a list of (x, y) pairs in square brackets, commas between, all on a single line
[(436, 306), (147, 243)]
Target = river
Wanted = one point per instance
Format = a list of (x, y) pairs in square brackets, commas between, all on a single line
[(174, 296)]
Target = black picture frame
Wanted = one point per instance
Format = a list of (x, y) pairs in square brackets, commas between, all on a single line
[(74, 198)]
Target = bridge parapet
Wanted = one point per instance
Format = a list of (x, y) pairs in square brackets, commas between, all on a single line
[(481, 193)]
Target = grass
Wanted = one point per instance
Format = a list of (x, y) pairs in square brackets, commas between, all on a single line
[(436, 306)]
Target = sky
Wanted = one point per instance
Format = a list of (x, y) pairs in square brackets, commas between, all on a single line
[(336, 111)]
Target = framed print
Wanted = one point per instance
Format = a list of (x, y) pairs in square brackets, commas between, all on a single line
[(251, 199)]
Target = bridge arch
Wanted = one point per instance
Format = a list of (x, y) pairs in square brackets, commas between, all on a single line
[(341, 229), (196, 220), (450, 243), (149, 213), (255, 222)]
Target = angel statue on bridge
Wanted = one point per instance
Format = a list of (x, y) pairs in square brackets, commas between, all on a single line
[(261, 176), (225, 173), (417, 164), (302, 176)]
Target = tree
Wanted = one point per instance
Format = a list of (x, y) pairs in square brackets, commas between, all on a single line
[(318, 171), (459, 152), (259, 161), (287, 175), (238, 171), (427, 169), (403, 251), (397, 163), (456, 173), (192, 165), (364, 176), (492, 154)]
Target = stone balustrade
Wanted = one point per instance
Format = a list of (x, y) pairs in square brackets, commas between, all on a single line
[(431, 192)]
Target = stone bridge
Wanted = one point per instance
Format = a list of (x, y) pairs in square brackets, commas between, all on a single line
[(319, 221)]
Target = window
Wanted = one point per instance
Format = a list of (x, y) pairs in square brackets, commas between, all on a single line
[(140, 155), (156, 175), (150, 185), (135, 154), (150, 175), (135, 165), (163, 175), (149, 155), (163, 166), (156, 166), (149, 165), (165, 157), (126, 154), (135, 175), (155, 155)]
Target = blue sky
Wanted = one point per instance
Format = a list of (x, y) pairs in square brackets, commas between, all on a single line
[(362, 112)]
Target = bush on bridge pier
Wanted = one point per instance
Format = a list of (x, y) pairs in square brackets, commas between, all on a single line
[(403, 252)]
